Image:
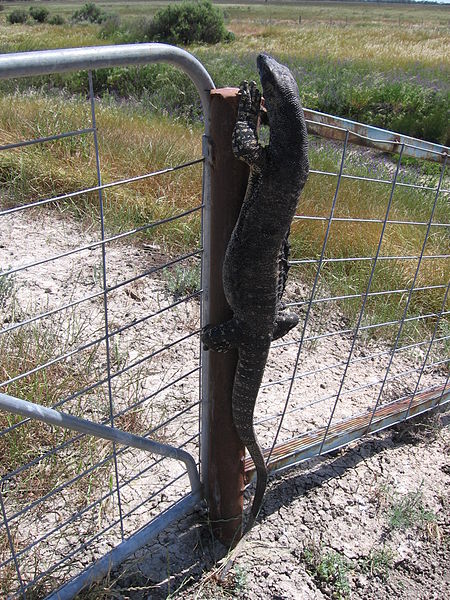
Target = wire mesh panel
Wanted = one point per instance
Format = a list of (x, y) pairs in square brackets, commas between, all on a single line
[(100, 291), (369, 278)]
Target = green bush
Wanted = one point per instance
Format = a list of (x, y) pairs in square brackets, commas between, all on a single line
[(39, 13), (111, 28), (17, 16), (56, 20), (186, 23), (90, 12)]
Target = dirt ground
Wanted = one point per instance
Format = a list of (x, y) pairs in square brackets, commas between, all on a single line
[(368, 522), (371, 521)]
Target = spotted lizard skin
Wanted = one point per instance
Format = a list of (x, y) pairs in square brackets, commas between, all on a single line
[(255, 266)]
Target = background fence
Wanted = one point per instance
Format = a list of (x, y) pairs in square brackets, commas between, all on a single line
[(103, 323)]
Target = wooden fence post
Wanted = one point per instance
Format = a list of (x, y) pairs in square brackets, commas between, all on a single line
[(225, 479)]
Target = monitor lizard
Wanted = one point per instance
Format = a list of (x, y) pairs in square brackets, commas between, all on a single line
[(255, 265)]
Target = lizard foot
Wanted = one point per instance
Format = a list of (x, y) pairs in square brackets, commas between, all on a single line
[(221, 338), (285, 321), (249, 104), (244, 141)]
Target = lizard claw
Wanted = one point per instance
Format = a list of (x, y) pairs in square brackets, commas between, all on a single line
[(249, 104)]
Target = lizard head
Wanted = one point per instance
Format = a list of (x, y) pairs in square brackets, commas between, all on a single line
[(279, 86)]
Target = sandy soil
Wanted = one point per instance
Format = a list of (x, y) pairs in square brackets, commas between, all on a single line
[(340, 503), (327, 530)]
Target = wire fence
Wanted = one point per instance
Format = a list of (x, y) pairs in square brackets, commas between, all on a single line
[(373, 348), (97, 323), (103, 324)]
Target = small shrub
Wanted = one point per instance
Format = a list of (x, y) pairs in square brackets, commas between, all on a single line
[(378, 563), (56, 20), (17, 16), (39, 13), (182, 281), (7, 289), (329, 569), (408, 511), (90, 12), (186, 23), (110, 27)]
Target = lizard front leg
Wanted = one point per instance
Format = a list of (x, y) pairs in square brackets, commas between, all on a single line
[(244, 141), (223, 337), (285, 320)]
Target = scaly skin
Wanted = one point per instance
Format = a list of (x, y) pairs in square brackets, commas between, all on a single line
[(255, 266)]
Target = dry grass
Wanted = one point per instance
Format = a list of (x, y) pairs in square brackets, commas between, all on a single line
[(382, 45), (130, 144)]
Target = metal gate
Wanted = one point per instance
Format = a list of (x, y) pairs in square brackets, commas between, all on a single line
[(73, 314)]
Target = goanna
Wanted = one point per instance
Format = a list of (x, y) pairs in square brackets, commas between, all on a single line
[(255, 265)]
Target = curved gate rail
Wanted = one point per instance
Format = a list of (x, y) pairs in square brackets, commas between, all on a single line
[(106, 494)]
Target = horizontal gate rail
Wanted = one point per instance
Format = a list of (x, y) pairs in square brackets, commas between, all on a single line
[(342, 433), (54, 417), (336, 128)]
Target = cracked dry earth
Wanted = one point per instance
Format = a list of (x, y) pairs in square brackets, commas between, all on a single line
[(371, 521), (368, 522)]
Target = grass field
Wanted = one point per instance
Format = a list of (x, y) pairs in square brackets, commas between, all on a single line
[(384, 64), (381, 64)]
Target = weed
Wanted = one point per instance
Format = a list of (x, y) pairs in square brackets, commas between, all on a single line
[(7, 289), (240, 578), (378, 563), (182, 280), (330, 569), (26, 349), (405, 511)]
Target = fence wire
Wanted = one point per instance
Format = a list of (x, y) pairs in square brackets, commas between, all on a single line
[(104, 324), (101, 325), (372, 347)]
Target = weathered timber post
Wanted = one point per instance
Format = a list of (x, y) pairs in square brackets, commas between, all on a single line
[(225, 477)]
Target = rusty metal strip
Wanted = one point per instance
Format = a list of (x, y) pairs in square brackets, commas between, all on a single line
[(308, 445), (335, 128)]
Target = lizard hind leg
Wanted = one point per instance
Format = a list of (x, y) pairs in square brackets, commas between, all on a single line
[(223, 337), (284, 322)]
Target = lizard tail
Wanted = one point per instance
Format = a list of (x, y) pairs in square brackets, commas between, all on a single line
[(249, 373)]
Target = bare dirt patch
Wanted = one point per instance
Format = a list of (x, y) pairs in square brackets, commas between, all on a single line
[(328, 529), (325, 529)]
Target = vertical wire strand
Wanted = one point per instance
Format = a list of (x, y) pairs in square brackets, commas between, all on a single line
[(313, 292), (427, 354), (11, 546), (105, 295), (408, 300), (365, 296)]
